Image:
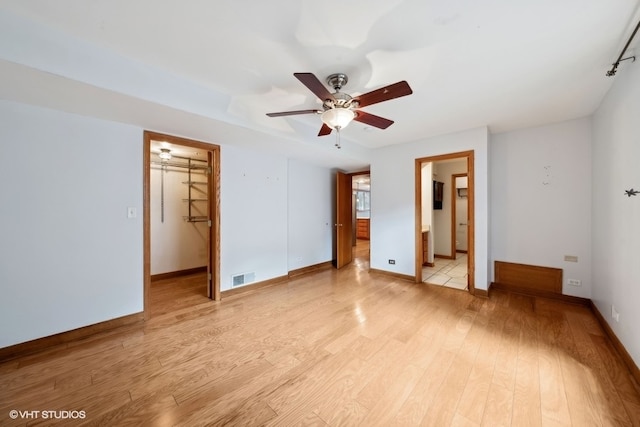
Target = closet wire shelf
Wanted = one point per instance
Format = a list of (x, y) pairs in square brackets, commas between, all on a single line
[(190, 165)]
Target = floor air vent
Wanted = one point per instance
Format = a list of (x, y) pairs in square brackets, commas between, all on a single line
[(242, 279)]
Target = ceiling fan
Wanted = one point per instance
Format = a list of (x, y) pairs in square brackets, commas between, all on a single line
[(339, 109)]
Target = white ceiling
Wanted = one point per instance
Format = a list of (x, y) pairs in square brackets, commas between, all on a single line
[(505, 64)]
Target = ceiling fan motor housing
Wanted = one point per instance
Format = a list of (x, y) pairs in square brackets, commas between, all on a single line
[(340, 100), (337, 80)]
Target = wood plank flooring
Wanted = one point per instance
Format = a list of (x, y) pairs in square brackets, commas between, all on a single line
[(334, 348)]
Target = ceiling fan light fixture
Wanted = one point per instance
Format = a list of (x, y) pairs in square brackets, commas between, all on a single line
[(339, 108), (165, 154), (338, 117)]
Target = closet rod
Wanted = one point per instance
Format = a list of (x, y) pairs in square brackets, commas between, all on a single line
[(174, 156), (181, 165)]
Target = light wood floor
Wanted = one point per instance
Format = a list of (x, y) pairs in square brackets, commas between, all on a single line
[(336, 348)]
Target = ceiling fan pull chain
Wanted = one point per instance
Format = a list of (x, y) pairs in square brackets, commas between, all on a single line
[(338, 137)]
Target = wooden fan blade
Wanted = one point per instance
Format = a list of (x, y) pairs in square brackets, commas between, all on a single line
[(324, 130), (372, 119), (386, 93), (314, 85), (293, 113)]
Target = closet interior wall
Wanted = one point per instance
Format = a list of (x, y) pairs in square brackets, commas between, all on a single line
[(179, 220)]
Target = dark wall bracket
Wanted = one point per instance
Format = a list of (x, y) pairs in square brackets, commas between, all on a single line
[(614, 68), (631, 192)]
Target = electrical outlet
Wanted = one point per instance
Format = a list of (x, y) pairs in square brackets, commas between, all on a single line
[(574, 282), (392, 261)]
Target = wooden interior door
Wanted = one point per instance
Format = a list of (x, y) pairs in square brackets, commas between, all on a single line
[(343, 225)]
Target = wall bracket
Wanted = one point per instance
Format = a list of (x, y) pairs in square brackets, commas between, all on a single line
[(614, 68)]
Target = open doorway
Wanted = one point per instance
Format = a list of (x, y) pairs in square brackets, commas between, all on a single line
[(436, 221), (361, 206), (181, 223), (351, 213)]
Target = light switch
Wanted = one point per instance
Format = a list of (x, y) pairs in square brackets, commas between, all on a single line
[(131, 212)]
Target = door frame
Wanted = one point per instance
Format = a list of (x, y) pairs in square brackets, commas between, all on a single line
[(469, 156), (213, 154)]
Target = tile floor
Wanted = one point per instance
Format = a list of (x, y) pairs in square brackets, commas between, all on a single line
[(447, 272)]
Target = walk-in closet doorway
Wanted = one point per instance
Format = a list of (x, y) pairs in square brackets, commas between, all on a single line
[(181, 221)]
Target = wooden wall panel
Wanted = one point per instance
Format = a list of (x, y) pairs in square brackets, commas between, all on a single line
[(529, 277)]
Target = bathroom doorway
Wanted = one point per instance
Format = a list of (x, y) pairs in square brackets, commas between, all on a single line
[(435, 235)]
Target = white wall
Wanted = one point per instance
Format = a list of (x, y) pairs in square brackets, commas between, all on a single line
[(393, 200), (253, 203), (310, 212), (69, 256), (616, 217), (541, 199), (177, 244), (427, 206)]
